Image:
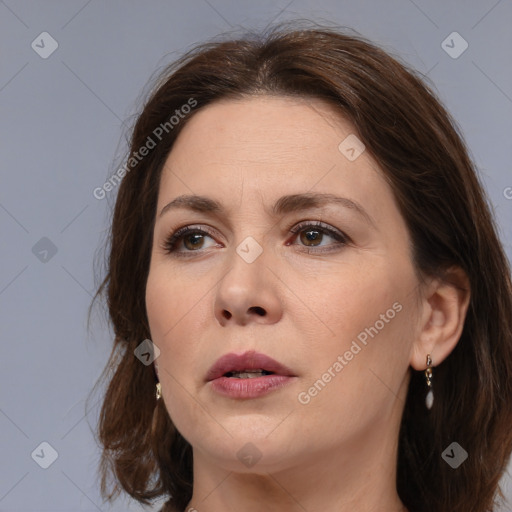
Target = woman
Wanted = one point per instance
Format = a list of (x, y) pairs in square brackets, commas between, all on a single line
[(312, 309)]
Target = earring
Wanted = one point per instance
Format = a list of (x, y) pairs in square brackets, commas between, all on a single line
[(154, 418), (429, 400)]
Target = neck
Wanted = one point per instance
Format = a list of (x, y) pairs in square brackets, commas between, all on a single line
[(359, 476)]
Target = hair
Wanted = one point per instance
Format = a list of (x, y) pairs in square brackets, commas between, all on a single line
[(424, 158)]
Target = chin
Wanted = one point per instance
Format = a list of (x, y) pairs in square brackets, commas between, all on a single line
[(253, 456), (254, 446)]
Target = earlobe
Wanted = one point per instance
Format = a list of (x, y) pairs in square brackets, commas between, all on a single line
[(445, 304)]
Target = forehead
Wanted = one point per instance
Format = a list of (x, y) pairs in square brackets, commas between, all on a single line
[(280, 124), (268, 141)]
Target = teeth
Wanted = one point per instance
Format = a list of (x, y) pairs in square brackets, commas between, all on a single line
[(248, 374)]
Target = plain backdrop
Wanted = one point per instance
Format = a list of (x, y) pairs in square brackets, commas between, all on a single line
[(62, 131)]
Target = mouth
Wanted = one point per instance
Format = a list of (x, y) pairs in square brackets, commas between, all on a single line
[(248, 365), (247, 375)]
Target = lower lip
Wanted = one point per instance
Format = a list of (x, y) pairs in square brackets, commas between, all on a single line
[(249, 388)]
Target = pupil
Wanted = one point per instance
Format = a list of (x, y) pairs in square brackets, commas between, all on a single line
[(312, 237), (197, 237)]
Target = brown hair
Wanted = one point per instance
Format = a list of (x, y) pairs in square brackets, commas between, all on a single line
[(425, 160)]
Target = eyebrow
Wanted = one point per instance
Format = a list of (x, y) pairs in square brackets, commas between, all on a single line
[(285, 204)]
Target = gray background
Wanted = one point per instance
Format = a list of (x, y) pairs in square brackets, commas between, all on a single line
[(61, 137)]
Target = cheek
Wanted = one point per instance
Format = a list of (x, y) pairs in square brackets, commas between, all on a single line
[(168, 300), (366, 319), (169, 324), (160, 307), (167, 316), (346, 302), (179, 313)]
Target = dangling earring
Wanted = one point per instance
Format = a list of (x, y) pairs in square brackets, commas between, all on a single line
[(154, 419), (429, 400)]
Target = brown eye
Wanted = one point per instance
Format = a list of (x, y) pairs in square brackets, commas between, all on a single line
[(196, 241), (189, 237), (312, 235)]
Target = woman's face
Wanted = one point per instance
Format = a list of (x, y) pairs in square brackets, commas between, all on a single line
[(334, 304)]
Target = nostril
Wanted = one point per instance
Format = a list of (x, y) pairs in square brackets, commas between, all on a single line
[(258, 310)]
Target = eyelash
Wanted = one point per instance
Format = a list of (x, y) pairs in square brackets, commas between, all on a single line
[(342, 240)]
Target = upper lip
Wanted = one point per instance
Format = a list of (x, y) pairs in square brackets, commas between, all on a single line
[(250, 360)]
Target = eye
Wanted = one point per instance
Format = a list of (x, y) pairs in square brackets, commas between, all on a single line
[(191, 237), (311, 234)]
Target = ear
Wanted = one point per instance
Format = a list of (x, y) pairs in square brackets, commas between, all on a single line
[(156, 369), (444, 307)]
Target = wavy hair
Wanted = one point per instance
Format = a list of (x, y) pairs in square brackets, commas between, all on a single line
[(435, 184)]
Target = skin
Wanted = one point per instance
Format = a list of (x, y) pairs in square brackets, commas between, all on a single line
[(338, 451)]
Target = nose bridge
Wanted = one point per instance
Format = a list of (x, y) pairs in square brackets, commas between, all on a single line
[(246, 269)]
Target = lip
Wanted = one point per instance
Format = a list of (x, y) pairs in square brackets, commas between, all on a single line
[(250, 360), (247, 388)]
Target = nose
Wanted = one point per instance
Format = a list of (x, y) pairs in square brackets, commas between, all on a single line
[(248, 292)]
